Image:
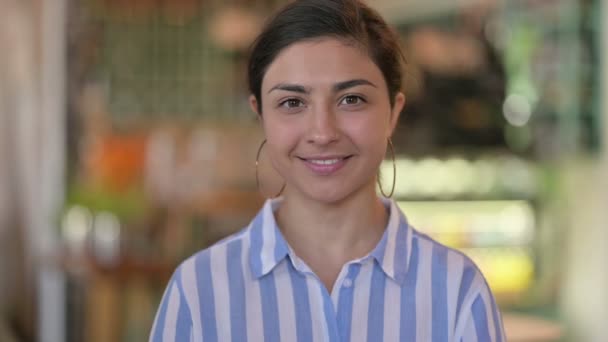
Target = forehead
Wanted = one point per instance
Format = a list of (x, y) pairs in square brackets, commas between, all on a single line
[(318, 62)]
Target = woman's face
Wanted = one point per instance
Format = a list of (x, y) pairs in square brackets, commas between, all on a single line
[(326, 115)]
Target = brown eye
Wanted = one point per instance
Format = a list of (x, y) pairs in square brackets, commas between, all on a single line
[(291, 103), (352, 100)]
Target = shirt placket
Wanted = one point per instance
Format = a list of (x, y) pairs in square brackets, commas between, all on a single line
[(342, 299)]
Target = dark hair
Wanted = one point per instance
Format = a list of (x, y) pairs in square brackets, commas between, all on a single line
[(309, 19)]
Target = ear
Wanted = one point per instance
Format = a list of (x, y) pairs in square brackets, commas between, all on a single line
[(396, 111), (253, 104)]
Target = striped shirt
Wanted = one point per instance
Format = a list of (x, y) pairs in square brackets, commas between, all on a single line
[(252, 287)]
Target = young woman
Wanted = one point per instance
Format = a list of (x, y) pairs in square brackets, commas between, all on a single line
[(328, 260)]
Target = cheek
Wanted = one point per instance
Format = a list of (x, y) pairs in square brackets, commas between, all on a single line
[(281, 138), (367, 130)]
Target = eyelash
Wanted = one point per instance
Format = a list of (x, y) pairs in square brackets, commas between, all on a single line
[(286, 101), (351, 96)]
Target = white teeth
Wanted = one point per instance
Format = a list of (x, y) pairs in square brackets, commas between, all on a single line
[(324, 162)]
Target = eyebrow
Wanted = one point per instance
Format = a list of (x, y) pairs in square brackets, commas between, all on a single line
[(352, 83), (296, 88), (340, 86)]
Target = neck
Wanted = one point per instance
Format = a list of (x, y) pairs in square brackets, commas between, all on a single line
[(340, 232)]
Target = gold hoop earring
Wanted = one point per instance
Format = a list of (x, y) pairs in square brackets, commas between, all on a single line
[(390, 145), (257, 178)]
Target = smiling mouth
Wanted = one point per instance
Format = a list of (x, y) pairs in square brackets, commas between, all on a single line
[(325, 166), (325, 161)]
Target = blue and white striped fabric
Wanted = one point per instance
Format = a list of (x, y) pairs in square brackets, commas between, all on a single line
[(251, 287)]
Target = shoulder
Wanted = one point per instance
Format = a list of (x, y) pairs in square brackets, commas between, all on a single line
[(200, 275), (223, 253), (471, 302), (459, 272)]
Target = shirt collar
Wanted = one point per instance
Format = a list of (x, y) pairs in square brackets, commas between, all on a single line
[(394, 249), (269, 247)]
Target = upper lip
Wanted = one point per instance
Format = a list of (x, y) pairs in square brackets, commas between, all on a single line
[(327, 157)]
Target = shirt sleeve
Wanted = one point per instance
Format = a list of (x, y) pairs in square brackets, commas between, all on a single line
[(173, 321), (482, 320)]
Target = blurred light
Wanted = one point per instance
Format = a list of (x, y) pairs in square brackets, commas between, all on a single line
[(234, 28), (405, 182), (106, 238), (195, 177), (517, 223), (76, 225), (494, 32), (159, 170), (460, 176), (430, 177), (485, 177), (517, 176), (517, 110)]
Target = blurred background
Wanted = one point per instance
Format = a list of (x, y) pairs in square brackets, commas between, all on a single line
[(126, 144)]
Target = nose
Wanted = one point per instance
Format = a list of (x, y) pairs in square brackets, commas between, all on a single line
[(323, 128)]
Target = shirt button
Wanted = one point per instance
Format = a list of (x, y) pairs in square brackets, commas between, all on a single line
[(347, 282)]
